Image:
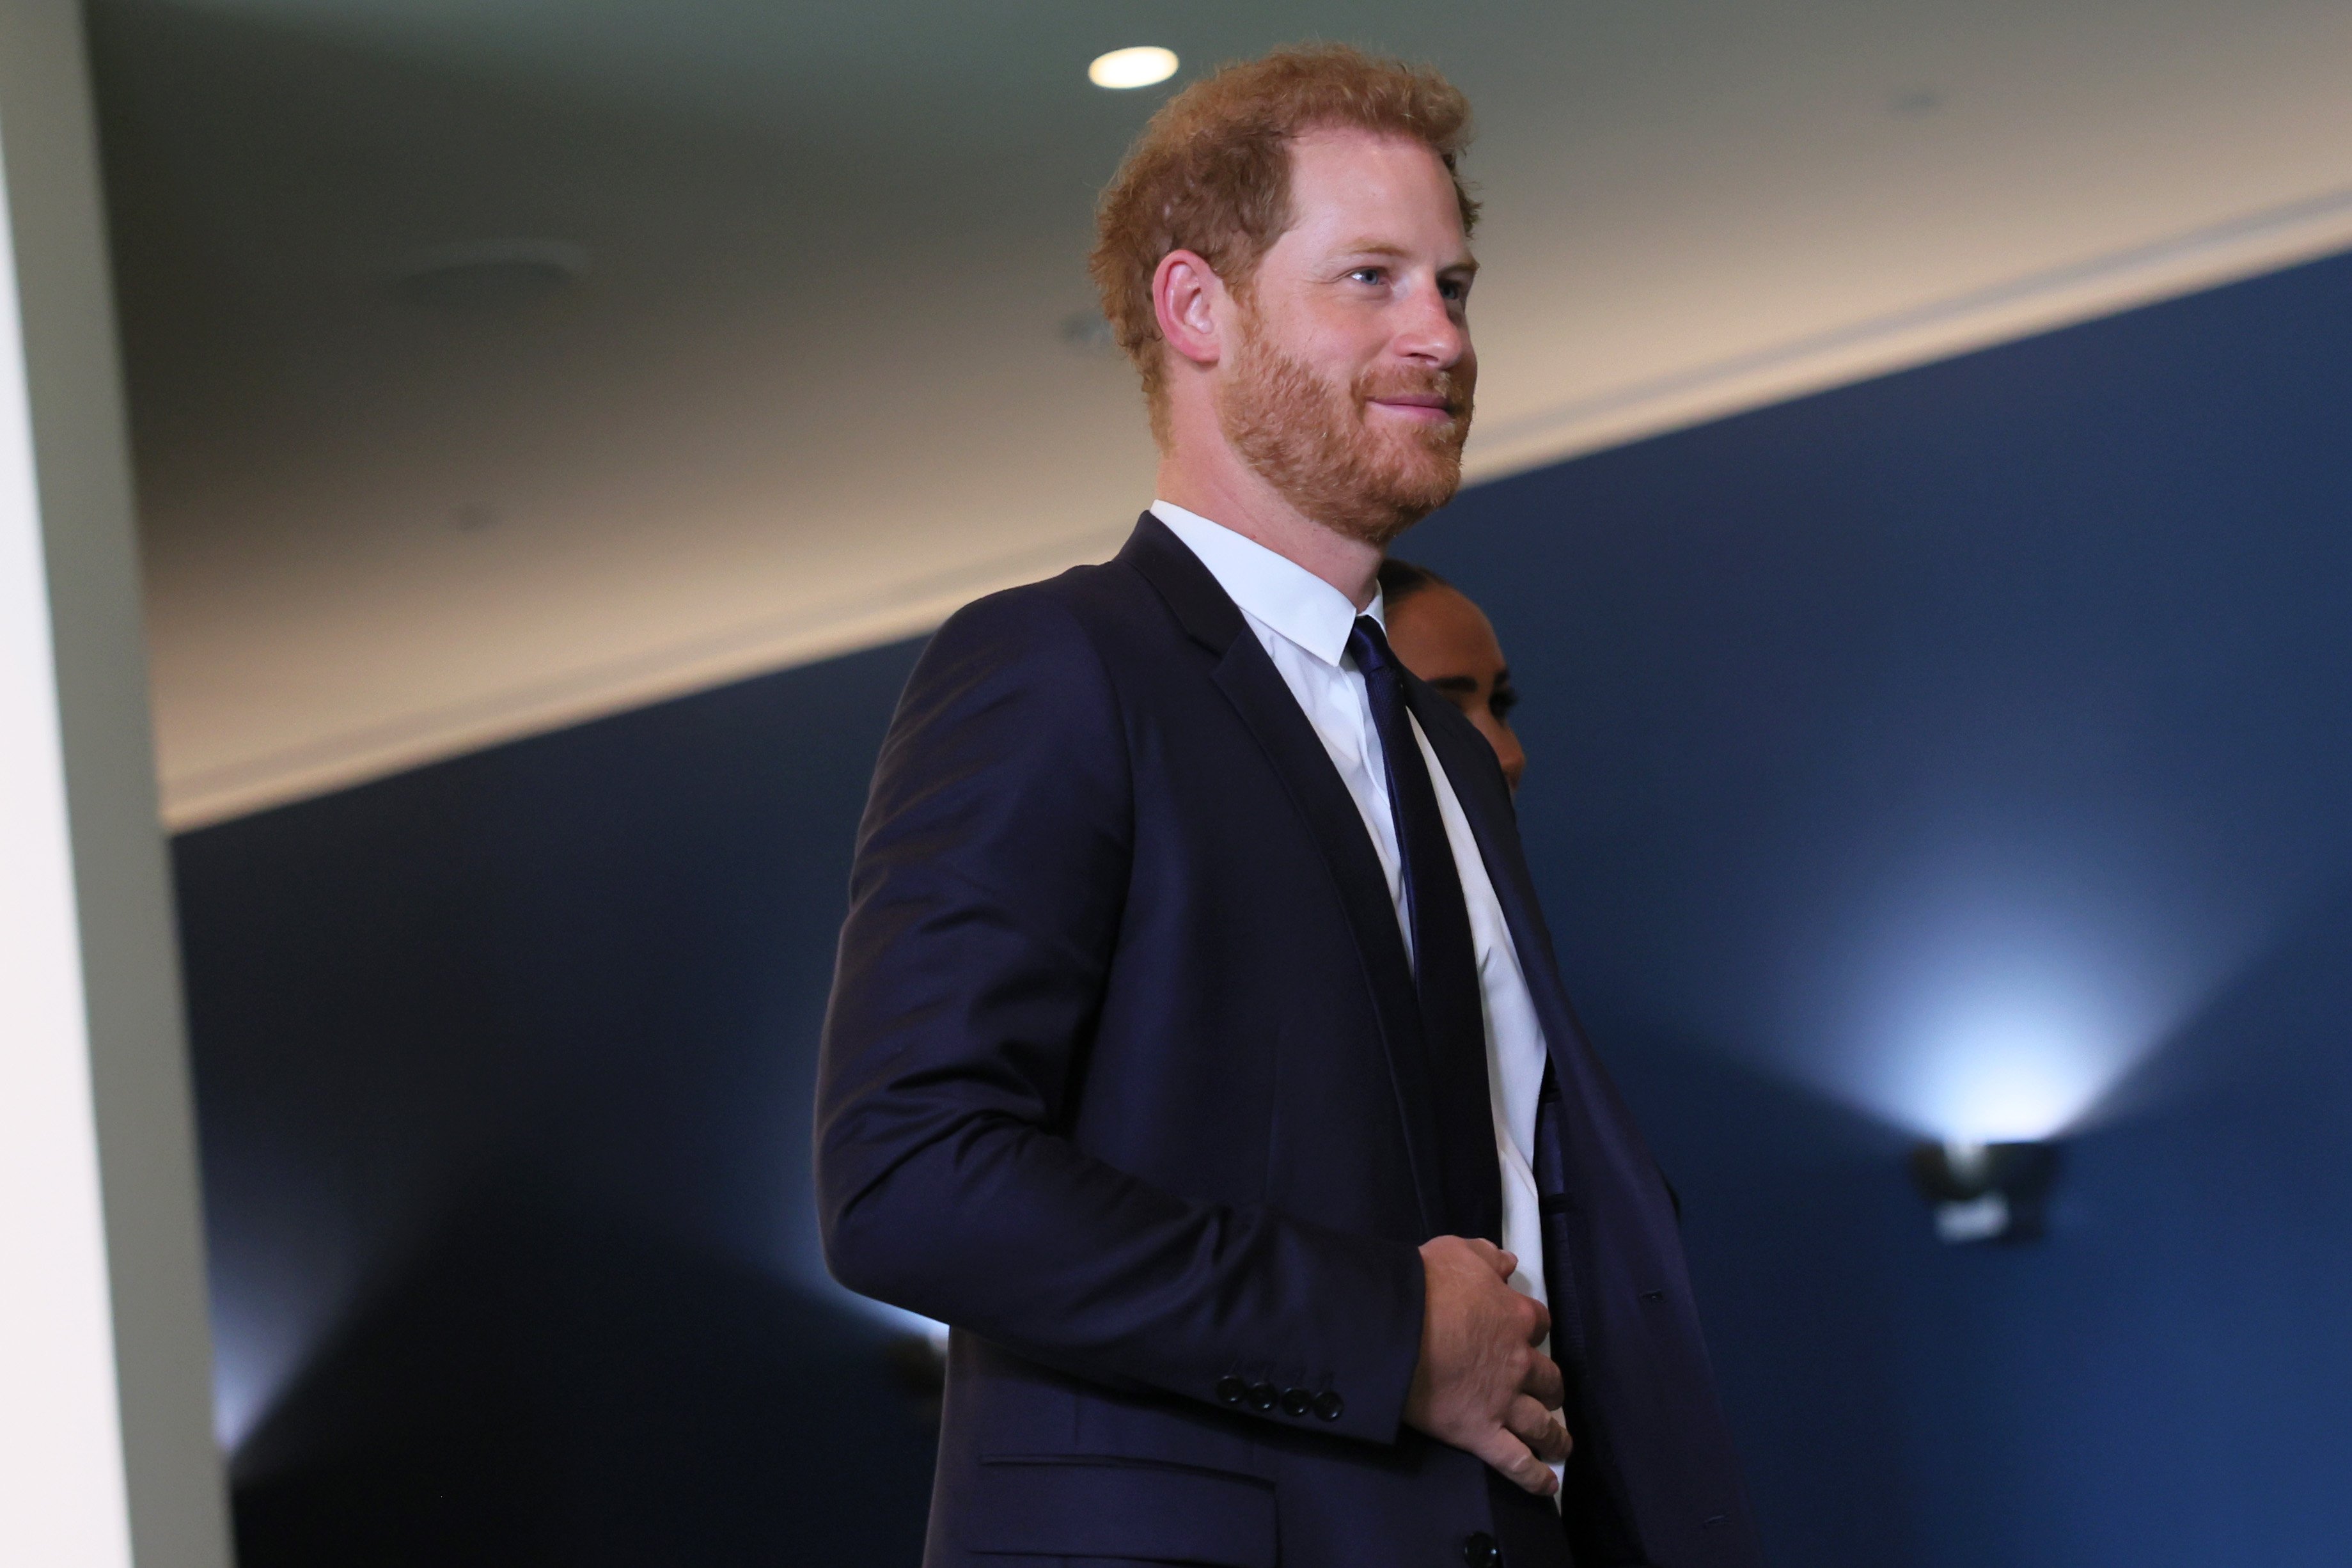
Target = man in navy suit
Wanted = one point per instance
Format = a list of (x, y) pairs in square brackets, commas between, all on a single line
[(1197, 1050)]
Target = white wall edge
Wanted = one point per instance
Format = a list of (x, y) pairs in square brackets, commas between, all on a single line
[(63, 1496), (106, 1453)]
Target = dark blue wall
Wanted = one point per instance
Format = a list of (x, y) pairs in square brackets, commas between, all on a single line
[(503, 1072), (1999, 708), (1960, 750)]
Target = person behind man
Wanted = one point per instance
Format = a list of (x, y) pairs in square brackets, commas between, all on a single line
[(1450, 645), (1196, 1048)]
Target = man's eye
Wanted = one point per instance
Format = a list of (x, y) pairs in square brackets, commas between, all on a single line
[(1370, 274), (1502, 702)]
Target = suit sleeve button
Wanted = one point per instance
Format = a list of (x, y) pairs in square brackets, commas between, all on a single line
[(1479, 1551), (1329, 1405), (1261, 1396), (1231, 1390), (1296, 1402)]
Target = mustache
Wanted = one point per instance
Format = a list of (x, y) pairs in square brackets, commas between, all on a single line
[(1453, 390)]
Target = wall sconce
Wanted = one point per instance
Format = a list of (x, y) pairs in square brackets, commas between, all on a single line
[(1985, 1192)]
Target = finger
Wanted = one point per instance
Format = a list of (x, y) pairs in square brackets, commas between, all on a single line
[(1540, 1325), (1517, 1461), (1545, 1433), (1544, 1383), (1492, 1256)]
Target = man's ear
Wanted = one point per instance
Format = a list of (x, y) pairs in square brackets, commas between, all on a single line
[(1185, 293)]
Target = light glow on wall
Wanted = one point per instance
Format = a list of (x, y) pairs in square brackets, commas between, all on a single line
[(2015, 1067), (253, 1368), (272, 1315), (246, 1385), (1983, 1003), (2015, 1039)]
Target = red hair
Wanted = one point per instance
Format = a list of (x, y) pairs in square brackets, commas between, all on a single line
[(1211, 173)]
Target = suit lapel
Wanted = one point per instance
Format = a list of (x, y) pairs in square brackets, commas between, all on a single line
[(1486, 803), (1257, 691), (1603, 1151)]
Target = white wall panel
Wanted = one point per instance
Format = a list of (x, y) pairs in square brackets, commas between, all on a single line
[(106, 1458)]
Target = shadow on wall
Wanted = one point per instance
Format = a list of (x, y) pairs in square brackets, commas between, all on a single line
[(503, 1071), (537, 1387), (1791, 1206)]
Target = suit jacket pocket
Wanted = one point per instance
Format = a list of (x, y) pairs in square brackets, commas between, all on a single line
[(1074, 1507)]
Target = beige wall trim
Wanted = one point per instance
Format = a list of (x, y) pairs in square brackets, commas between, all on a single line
[(2096, 285), (909, 608), (2205, 258)]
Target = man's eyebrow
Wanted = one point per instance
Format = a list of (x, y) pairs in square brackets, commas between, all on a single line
[(1454, 682), (1382, 248)]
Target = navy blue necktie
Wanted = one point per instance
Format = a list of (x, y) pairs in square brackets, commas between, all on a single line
[(1445, 959)]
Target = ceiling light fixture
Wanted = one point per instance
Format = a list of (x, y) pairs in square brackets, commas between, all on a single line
[(1138, 67), (487, 275), (1089, 330)]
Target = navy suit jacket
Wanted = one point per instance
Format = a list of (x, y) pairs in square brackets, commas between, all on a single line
[(1122, 1078)]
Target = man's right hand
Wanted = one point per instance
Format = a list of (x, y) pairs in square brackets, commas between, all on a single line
[(1481, 1384)]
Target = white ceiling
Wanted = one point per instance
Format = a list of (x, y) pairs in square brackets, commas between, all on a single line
[(814, 389)]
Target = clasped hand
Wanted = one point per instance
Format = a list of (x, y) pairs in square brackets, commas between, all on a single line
[(1480, 1384)]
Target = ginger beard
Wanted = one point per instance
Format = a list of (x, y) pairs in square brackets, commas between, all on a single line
[(1313, 439)]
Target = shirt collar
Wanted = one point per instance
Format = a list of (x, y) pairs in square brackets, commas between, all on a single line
[(1270, 587)]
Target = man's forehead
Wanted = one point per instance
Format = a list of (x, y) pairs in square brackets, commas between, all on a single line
[(1350, 153), (1340, 135), (1368, 192)]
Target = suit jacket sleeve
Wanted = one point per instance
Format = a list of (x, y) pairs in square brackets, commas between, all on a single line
[(985, 906)]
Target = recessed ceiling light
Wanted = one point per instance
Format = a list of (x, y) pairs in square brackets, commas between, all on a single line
[(1088, 330), (1138, 67), (487, 275)]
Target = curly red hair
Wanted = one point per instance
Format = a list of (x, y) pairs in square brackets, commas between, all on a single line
[(1211, 173)]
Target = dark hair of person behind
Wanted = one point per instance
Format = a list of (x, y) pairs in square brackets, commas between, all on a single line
[(1400, 580)]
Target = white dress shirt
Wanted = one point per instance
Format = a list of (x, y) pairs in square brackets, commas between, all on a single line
[(1304, 624)]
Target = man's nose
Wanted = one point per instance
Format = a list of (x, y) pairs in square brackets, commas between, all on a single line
[(1433, 332)]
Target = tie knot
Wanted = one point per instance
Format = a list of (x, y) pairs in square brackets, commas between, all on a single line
[(1369, 644)]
